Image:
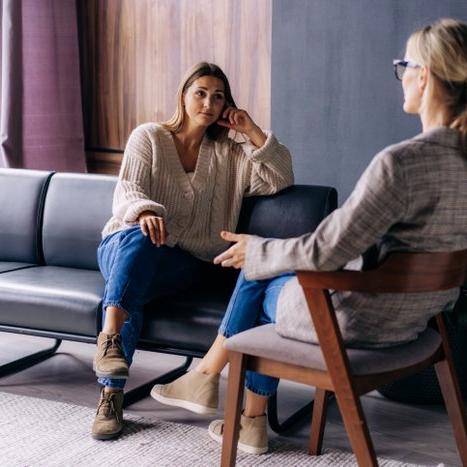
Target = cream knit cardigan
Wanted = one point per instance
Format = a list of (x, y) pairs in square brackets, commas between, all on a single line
[(195, 210)]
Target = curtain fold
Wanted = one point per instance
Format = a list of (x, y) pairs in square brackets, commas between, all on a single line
[(41, 124)]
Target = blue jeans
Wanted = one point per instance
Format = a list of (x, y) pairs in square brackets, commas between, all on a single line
[(136, 272), (254, 303)]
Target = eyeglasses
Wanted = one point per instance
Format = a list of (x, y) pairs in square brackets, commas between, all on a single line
[(401, 65)]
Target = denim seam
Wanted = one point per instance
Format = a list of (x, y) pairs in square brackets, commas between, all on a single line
[(127, 284), (228, 312)]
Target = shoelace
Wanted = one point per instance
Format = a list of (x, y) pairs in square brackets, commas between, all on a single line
[(108, 405), (113, 342)]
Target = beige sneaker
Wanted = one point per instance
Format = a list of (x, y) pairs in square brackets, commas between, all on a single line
[(253, 437), (109, 361), (193, 391), (108, 423)]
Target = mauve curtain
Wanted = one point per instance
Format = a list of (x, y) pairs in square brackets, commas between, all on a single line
[(41, 125)]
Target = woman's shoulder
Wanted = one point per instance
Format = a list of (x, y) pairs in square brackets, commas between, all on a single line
[(149, 129), (407, 145), (423, 147), (398, 153)]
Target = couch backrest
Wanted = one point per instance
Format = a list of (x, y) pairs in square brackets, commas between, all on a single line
[(78, 205), (76, 208), (289, 213), (21, 199)]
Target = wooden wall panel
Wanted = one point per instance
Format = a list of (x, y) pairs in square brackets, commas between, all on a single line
[(134, 52)]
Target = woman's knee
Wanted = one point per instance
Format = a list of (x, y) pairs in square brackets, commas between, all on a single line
[(128, 253), (137, 247)]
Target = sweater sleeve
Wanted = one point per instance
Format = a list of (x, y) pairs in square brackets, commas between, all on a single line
[(268, 169), (132, 193), (378, 201)]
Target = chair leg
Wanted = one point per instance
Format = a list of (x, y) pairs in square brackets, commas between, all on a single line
[(454, 405), (355, 424), (318, 421), (233, 406)]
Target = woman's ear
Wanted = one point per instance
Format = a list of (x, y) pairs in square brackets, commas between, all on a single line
[(423, 77)]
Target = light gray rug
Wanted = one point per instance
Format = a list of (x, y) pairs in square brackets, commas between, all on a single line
[(37, 432)]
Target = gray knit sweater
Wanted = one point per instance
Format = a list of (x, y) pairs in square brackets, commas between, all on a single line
[(195, 209)]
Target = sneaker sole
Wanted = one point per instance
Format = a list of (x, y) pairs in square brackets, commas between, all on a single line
[(242, 447), (191, 406)]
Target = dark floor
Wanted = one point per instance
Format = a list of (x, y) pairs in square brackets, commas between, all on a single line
[(418, 434)]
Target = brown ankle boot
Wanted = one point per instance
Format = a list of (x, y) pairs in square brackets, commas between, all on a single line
[(109, 361), (108, 423)]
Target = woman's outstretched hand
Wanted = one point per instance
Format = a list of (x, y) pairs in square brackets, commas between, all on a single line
[(235, 256), (153, 226), (239, 120)]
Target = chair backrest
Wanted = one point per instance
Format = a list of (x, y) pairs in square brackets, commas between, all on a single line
[(21, 202), (76, 209), (292, 212), (398, 273)]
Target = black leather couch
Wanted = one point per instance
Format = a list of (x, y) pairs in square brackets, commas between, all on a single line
[(50, 284)]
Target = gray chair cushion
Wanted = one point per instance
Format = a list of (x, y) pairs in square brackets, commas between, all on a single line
[(76, 208), (6, 266), (21, 198), (263, 341), (51, 298)]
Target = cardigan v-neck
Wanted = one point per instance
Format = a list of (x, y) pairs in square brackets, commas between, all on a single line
[(196, 181)]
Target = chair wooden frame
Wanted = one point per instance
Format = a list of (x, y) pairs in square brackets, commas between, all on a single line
[(399, 273)]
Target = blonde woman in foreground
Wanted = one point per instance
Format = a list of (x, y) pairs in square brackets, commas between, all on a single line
[(412, 197)]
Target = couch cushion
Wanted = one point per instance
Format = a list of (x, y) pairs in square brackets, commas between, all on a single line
[(21, 198), (292, 212), (6, 266), (76, 208), (263, 341), (51, 298)]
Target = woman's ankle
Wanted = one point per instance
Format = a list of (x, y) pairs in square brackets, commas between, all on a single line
[(109, 390), (253, 414), (204, 370)]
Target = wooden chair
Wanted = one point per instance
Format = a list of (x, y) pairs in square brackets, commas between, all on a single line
[(349, 373)]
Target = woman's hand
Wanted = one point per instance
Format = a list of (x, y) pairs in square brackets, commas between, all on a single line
[(235, 255), (153, 226), (239, 120)]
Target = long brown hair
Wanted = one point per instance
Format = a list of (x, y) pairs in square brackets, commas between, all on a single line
[(175, 123)]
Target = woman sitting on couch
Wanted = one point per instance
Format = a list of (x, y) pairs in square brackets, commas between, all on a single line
[(180, 184)]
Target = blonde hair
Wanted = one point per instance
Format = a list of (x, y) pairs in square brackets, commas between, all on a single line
[(175, 123), (442, 48)]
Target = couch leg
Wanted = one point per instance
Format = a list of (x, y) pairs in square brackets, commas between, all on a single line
[(144, 390), (280, 427), (29, 360)]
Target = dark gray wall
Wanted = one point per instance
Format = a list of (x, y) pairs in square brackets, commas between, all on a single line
[(335, 101)]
